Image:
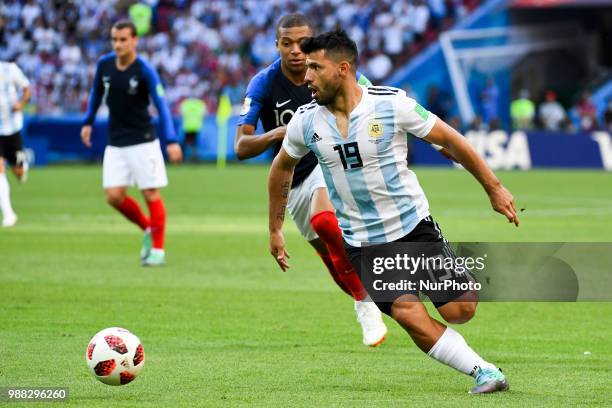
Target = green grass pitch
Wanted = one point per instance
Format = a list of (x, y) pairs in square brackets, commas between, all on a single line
[(223, 326)]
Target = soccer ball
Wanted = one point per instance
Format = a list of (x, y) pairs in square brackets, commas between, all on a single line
[(115, 356)]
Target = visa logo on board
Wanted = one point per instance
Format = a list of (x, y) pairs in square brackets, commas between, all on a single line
[(604, 141), (500, 151)]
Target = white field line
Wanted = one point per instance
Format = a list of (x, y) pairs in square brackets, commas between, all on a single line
[(116, 225), (210, 225)]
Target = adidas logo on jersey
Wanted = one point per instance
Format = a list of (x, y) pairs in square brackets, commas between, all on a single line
[(315, 138)]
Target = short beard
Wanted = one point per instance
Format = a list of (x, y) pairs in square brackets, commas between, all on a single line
[(324, 102), (329, 99)]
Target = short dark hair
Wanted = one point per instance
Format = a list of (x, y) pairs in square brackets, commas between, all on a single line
[(293, 20), (337, 44), (121, 24)]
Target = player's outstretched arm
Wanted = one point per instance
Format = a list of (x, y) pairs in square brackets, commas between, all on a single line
[(156, 90), (86, 135), (22, 83), (279, 185), (25, 97), (444, 152), (175, 153), (247, 144), (95, 99), (457, 146)]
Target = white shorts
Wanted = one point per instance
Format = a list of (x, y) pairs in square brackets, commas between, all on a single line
[(299, 202), (141, 165)]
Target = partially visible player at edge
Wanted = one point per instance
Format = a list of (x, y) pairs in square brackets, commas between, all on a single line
[(378, 199), (133, 155), (14, 94), (273, 95)]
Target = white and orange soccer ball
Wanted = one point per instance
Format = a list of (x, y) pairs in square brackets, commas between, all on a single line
[(115, 356)]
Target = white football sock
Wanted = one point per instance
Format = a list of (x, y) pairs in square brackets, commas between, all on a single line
[(452, 350), (5, 197)]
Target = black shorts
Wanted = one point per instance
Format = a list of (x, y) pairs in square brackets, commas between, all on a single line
[(11, 148), (424, 241), (190, 138)]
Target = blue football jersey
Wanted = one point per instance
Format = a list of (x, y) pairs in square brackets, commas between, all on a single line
[(274, 99), (127, 94)]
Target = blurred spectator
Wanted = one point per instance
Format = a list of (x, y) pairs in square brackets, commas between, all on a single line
[(141, 15), (438, 11), (193, 111), (551, 113), (608, 116), (495, 124), (222, 43), (478, 125), (169, 59), (70, 56), (71, 102), (393, 39), (489, 101), (455, 123), (30, 12), (438, 102), (587, 112), (420, 19), (522, 111), (379, 66), (46, 38)]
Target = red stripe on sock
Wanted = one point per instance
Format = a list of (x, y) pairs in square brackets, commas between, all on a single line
[(325, 225), (131, 210), (157, 212)]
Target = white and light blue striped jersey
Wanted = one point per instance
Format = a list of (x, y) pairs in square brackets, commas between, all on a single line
[(377, 198), (12, 82)]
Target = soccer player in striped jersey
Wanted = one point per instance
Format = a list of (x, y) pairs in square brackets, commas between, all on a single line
[(273, 96), (14, 94), (133, 155), (359, 137)]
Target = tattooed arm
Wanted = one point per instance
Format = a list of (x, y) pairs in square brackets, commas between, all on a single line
[(279, 185)]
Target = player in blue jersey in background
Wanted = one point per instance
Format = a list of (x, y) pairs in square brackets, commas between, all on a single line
[(273, 96), (358, 135), (133, 155)]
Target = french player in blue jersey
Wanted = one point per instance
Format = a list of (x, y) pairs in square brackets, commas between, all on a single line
[(133, 155), (358, 135), (273, 96)]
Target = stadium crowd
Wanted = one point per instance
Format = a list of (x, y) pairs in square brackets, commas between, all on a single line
[(201, 48), (549, 114)]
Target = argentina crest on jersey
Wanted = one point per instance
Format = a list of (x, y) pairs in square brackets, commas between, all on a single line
[(375, 130)]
